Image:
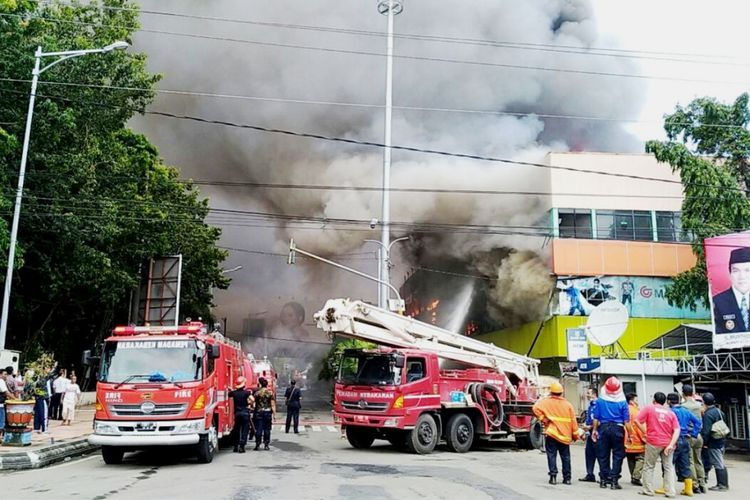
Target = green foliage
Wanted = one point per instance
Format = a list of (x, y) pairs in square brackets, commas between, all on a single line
[(332, 361), (708, 145), (98, 200)]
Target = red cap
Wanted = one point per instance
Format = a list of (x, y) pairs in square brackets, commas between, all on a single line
[(612, 385)]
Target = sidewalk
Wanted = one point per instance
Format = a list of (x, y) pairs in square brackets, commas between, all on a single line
[(59, 443)]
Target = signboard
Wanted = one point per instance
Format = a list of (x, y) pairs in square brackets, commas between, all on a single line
[(643, 297), (588, 365), (157, 300), (728, 264), (578, 347)]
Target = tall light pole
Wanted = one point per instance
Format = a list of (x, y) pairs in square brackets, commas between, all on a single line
[(388, 8), (386, 251), (61, 56)]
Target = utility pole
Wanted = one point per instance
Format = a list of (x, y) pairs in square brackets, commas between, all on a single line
[(389, 8)]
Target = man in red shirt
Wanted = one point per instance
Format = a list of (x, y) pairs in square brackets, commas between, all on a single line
[(662, 430)]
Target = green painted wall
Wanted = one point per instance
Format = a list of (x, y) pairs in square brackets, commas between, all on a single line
[(551, 342)]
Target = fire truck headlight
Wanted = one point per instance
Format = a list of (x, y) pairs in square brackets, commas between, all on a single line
[(390, 422), (105, 428), (191, 427)]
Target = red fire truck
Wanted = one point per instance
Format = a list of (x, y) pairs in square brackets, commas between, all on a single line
[(165, 386), (425, 384)]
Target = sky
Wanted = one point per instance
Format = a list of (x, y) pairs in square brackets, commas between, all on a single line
[(687, 27)]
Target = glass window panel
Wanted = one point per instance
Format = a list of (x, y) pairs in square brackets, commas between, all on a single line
[(583, 224), (567, 223), (624, 226), (665, 227), (642, 225), (605, 221)]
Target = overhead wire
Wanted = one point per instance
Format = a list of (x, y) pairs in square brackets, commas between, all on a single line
[(424, 58), (592, 50)]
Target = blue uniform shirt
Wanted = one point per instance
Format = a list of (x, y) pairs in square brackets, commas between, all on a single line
[(611, 411), (590, 413), (689, 423)]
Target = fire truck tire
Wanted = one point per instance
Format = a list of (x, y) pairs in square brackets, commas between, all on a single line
[(360, 437), (112, 455), (460, 433), (424, 437), (207, 446), (533, 440)]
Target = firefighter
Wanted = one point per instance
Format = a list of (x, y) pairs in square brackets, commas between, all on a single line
[(561, 428), (690, 427), (243, 400), (635, 444), (610, 416), (265, 405)]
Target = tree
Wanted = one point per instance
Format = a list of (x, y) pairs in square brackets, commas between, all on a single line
[(98, 199), (708, 145)]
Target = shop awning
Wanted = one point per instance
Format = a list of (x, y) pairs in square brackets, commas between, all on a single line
[(693, 338)]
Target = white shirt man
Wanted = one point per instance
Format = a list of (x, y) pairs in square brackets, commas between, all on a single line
[(60, 384)]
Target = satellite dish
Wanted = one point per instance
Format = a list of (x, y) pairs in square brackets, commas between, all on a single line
[(607, 322)]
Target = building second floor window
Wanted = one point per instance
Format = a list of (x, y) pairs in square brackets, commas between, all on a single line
[(575, 223), (669, 227), (624, 225)]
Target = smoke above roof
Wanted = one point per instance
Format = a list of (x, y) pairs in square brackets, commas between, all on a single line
[(450, 66)]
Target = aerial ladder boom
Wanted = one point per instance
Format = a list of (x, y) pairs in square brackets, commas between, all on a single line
[(356, 319)]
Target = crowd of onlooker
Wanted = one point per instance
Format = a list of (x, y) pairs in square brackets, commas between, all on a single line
[(55, 395)]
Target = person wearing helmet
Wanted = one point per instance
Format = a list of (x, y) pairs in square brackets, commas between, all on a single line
[(635, 443), (690, 428), (694, 404), (662, 430), (610, 416), (243, 400), (714, 443), (561, 428)]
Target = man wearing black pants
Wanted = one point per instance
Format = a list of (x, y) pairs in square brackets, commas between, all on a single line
[(610, 416), (243, 400), (293, 404), (265, 404)]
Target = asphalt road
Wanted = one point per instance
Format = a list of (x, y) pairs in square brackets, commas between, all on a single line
[(317, 464)]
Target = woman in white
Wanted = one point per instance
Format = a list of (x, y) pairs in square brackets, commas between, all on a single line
[(70, 399)]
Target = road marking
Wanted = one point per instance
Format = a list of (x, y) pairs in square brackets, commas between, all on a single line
[(315, 428), (331, 428)]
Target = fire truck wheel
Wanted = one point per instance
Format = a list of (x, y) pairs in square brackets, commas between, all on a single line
[(460, 435), (112, 455), (208, 445), (424, 437), (360, 437)]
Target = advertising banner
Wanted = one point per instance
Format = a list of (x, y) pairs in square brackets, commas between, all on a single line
[(728, 264), (643, 297)]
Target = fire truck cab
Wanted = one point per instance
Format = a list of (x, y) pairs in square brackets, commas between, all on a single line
[(425, 384), (165, 386)]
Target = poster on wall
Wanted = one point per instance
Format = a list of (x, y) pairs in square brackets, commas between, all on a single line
[(728, 264), (643, 297)]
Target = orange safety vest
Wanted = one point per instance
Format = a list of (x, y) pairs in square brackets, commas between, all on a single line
[(634, 442), (558, 417)]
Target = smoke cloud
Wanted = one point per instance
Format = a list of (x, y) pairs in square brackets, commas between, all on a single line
[(221, 153)]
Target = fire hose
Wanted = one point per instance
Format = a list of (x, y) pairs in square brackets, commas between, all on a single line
[(492, 405)]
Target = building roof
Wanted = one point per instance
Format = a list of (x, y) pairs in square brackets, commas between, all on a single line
[(693, 338)]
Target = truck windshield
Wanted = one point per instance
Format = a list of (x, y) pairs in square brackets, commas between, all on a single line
[(368, 369), (151, 361)]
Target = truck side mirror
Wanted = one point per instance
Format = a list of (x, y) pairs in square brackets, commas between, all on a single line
[(399, 360), (214, 351)]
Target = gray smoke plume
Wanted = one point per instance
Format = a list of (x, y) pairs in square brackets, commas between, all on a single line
[(266, 70)]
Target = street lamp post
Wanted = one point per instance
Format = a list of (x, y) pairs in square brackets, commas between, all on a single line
[(388, 8), (38, 70), (385, 253)]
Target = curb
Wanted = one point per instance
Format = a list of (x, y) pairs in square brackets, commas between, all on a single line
[(24, 460)]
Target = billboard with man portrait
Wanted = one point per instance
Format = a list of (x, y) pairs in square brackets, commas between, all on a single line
[(728, 265)]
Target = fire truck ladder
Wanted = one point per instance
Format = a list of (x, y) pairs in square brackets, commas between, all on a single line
[(356, 319)]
